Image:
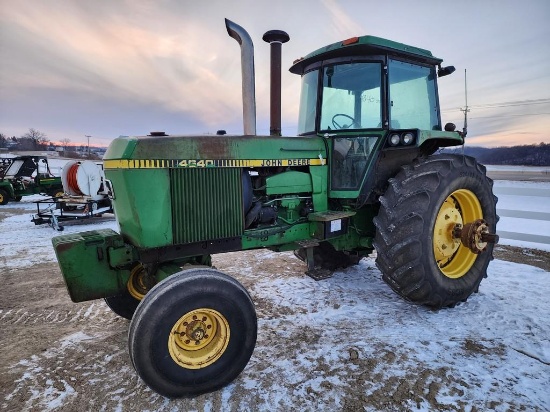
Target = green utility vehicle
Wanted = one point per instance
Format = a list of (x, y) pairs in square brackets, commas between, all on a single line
[(28, 175), (361, 175)]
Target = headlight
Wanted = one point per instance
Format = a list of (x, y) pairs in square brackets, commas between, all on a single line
[(408, 138), (394, 139)]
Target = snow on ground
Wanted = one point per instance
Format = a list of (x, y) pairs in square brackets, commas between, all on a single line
[(508, 168), (28, 244), (495, 346)]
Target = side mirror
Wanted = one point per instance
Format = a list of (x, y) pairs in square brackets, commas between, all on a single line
[(445, 71)]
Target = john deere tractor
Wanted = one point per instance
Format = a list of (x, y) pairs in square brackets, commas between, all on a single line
[(361, 175)]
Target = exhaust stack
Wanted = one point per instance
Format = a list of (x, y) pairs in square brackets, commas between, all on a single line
[(276, 38), (247, 66)]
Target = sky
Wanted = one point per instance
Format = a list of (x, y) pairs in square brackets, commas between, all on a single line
[(72, 69)]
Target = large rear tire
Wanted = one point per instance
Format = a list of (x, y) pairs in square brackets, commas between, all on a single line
[(193, 333), (417, 252)]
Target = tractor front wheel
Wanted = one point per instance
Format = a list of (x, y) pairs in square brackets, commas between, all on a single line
[(193, 333), (435, 230)]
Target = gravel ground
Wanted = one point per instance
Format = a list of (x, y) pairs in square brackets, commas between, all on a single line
[(61, 356)]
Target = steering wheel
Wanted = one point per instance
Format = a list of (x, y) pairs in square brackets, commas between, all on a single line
[(343, 126)]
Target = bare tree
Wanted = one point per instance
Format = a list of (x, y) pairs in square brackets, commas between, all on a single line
[(3, 140), (65, 142), (36, 138)]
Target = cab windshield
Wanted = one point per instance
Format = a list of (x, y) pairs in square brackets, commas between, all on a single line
[(351, 97)]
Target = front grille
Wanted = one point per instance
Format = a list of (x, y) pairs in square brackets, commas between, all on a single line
[(206, 204)]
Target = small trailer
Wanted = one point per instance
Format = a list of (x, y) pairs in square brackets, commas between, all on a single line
[(85, 196), (55, 210)]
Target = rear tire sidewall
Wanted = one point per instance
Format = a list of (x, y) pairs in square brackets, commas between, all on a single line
[(164, 305)]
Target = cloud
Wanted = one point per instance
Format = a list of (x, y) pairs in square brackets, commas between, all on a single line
[(174, 57), (105, 54), (342, 24)]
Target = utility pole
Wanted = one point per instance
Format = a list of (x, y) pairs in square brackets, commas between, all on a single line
[(88, 136), (466, 109)]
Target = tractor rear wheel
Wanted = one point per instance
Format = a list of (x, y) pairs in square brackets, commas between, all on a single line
[(434, 237), (4, 197), (193, 333)]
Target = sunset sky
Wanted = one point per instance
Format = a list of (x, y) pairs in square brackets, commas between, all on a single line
[(109, 68)]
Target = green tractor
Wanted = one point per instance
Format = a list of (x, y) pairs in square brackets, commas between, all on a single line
[(361, 175), (28, 175)]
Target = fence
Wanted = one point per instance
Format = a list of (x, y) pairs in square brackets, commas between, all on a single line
[(523, 214)]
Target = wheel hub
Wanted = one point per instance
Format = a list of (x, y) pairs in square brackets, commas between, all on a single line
[(456, 243), (475, 235), (199, 338), (195, 331), (445, 245)]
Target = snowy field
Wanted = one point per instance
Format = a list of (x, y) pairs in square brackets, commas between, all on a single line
[(345, 343)]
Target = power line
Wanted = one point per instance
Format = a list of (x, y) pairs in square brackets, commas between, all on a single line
[(526, 102), (510, 115)]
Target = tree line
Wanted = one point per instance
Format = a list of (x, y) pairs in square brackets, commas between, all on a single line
[(524, 155), (35, 140), (32, 140)]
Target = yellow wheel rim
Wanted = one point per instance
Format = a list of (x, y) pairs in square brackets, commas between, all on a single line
[(452, 257), (199, 338), (136, 285)]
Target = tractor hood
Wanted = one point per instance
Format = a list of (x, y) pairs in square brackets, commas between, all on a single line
[(214, 151)]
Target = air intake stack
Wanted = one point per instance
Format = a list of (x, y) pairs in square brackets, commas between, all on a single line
[(276, 38)]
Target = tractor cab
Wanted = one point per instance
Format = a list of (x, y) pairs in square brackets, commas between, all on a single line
[(368, 94)]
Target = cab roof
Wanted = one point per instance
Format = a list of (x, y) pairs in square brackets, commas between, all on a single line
[(361, 46)]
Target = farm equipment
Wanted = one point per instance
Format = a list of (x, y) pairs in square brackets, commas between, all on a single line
[(362, 174), (85, 196), (28, 175), (4, 163)]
